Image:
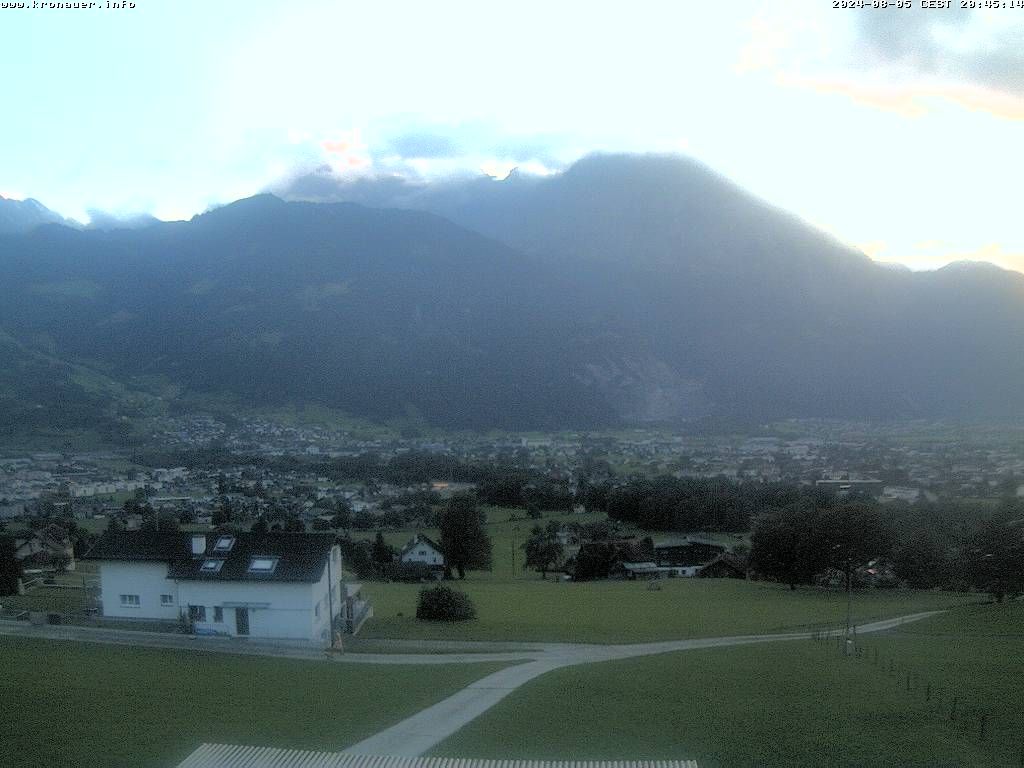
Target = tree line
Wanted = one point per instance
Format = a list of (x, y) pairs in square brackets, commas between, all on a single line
[(956, 547)]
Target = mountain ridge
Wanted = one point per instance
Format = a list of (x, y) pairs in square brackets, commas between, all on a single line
[(636, 291)]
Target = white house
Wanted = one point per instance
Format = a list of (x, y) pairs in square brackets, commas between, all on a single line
[(421, 549), (275, 585)]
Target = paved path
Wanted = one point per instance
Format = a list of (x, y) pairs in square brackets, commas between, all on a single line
[(421, 732), (418, 734)]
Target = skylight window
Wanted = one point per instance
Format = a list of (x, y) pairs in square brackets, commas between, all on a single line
[(224, 544), (211, 566), (262, 565)]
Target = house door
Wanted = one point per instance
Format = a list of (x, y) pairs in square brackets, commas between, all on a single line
[(241, 621)]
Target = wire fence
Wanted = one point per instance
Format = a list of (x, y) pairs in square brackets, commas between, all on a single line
[(949, 704)]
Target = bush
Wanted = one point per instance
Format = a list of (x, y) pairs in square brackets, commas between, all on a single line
[(444, 604)]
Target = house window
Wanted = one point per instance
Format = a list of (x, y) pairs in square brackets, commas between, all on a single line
[(224, 544), (197, 612), (130, 601), (211, 566), (262, 565), (166, 599), (218, 614)]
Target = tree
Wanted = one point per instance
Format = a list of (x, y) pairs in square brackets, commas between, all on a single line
[(260, 526), (922, 561), (788, 545), (855, 534), (342, 514), (115, 524), (383, 554), (165, 522), (10, 566), (223, 513), (543, 549), (464, 539), (993, 560)]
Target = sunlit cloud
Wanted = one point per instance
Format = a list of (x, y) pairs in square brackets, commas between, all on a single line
[(345, 152), (912, 99)]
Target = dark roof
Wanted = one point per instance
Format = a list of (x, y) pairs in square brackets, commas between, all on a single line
[(139, 545), (301, 557)]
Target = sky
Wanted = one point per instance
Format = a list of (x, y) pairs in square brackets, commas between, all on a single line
[(900, 132)]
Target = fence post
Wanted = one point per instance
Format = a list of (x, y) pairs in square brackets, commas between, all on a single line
[(952, 712), (928, 692), (908, 681), (984, 720)]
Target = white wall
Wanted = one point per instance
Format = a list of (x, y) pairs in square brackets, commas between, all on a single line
[(288, 615), (145, 579), (429, 555), (321, 627), (290, 612)]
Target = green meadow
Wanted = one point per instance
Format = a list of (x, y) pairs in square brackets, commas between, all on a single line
[(75, 704), (797, 703)]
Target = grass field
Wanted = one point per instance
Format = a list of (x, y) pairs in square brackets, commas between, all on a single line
[(781, 704), (68, 704), (626, 611), (516, 605), (507, 537)]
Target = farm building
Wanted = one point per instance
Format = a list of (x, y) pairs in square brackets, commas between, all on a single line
[(276, 585)]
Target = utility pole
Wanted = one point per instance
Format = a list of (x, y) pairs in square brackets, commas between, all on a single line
[(513, 551), (849, 606)]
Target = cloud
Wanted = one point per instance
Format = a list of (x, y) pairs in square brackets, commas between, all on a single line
[(913, 98), (105, 220), (958, 45), (345, 152), (424, 145), (907, 62)]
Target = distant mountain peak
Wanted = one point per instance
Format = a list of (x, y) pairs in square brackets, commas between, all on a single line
[(18, 216)]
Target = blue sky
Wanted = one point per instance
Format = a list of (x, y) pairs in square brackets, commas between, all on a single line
[(899, 132)]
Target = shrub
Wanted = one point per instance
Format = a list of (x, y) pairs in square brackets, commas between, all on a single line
[(442, 603)]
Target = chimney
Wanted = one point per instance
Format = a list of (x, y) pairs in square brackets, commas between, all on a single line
[(198, 544)]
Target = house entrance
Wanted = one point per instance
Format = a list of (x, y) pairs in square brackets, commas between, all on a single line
[(241, 621)]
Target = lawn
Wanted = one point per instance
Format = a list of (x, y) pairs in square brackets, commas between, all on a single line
[(64, 704), (516, 605), (507, 537), (626, 611), (782, 704)]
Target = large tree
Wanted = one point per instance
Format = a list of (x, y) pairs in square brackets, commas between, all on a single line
[(789, 545), (543, 549), (10, 567), (855, 534), (383, 554), (464, 537), (993, 558)]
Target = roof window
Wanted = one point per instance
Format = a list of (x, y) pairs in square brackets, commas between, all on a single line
[(262, 565)]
